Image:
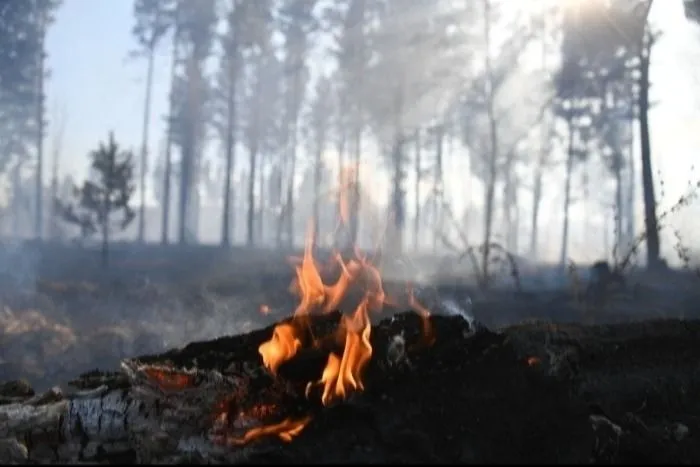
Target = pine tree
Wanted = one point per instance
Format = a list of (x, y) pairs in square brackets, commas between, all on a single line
[(106, 193)]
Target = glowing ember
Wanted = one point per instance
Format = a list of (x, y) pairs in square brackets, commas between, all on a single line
[(169, 380), (533, 361), (285, 430)]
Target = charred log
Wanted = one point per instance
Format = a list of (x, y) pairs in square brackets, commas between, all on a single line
[(534, 393)]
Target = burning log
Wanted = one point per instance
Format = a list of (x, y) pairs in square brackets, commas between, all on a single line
[(155, 409), (472, 396)]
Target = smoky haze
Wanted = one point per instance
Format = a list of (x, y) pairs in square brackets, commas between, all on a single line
[(488, 146)]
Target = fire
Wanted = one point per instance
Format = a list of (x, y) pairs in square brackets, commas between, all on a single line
[(169, 380), (285, 430), (533, 361), (343, 373), (282, 347)]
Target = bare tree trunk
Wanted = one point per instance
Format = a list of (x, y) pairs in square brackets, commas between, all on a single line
[(631, 189), (57, 146), (651, 223), (507, 208), (17, 199), (438, 189), (39, 208), (619, 208), (289, 205), (230, 152), (261, 200), (536, 201), (317, 191), (144, 146), (493, 146), (515, 227), (253, 160), (395, 245), (355, 195), (416, 190), (296, 104), (567, 193), (167, 175), (185, 176)]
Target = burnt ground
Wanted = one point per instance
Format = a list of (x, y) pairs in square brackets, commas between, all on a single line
[(533, 393), (630, 363)]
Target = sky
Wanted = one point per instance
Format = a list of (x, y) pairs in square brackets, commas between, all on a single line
[(96, 88)]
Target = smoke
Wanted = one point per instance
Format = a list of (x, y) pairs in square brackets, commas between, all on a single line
[(18, 265)]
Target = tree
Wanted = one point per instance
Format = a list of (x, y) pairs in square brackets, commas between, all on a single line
[(317, 128), (106, 193), (42, 19), (153, 19), (296, 23), (23, 27), (596, 35), (170, 128), (351, 21), (57, 143), (492, 124), (241, 35), (197, 21), (260, 129)]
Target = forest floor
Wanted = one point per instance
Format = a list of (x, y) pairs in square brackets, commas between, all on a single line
[(53, 328)]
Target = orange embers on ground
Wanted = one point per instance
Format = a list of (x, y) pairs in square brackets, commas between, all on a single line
[(169, 380)]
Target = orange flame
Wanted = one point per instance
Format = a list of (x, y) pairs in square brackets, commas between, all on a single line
[(342, 374), (282, 347), (284, 430)]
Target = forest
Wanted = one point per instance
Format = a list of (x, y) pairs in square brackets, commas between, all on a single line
[(271, 105), (336, 242)]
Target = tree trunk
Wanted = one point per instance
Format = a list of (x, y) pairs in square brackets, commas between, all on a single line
[(340, 147), (185, 176), (416, 190), (167, 175), (493, 148), (650, 221), (355, 195), (17, 199), (631, 190), (144, 146), (536, 201), (253, 159), (567, 194), (296, 104), (260, 221), (619, 208), (317, 191), (289, 205), (515, 227), (438, 189), (230, 154), (397, 197), (39, 227)]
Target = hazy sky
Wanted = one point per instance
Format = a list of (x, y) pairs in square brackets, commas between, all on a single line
[(99, 89)]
